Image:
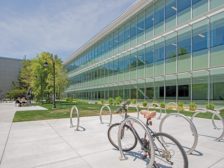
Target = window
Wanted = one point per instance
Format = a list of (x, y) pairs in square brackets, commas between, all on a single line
[(141, 58), (133, 29), (183, 90), (171, 46), (182, 5), (140, 24), (149, 55), (133, 61), (159, 16), (170, 91), (159, 52), (171, 8), (200, 36), (149, 21), (184, 43), (217, 33)]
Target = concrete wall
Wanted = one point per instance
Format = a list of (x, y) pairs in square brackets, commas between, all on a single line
[(9, 71)]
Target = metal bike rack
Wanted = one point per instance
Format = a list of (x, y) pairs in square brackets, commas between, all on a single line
[(157, 107), (137, 109), (192, 126), (77, 113), (136, 120), (213, 117), (170, 104), (215, 113), (101, 110)]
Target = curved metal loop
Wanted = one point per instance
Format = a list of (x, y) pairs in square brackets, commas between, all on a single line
[(172, 104), (157, 107), (136, 120), (101, 110), (71, 116), (137, 110), (192, 126), (214, 113)]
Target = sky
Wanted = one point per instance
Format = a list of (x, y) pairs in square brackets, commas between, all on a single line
[(28, 27)]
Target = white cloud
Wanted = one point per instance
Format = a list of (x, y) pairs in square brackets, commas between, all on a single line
[(58, 27)]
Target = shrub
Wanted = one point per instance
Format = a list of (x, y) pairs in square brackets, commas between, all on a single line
[(210, 106), (15, 93), (111, 101), (102, 101), (144, 103), (180, 106), (192, 106), (69, 99), (162, 105), (133, 101), (117, 100), (79, 101)]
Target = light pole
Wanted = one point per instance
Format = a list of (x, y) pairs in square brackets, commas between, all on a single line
[(53, 58)]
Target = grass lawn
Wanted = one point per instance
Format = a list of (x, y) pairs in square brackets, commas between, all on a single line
[(63, 111)]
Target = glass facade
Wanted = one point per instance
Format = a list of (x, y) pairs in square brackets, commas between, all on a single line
[(170, 49)]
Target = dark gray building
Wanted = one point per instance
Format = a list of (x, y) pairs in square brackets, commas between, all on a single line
[(9, 71)]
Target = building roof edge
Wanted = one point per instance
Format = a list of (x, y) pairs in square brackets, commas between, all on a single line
[(131, 11)]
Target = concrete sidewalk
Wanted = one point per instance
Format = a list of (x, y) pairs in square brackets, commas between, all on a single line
[(7, 111), (53, 144)]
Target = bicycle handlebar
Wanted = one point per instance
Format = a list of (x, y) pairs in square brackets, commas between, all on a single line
[(119, 109)]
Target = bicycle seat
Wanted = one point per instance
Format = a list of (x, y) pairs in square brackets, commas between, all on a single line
[(148, 114)]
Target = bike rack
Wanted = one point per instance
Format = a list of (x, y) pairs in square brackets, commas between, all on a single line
[(137, 109), (192, 126), (215, 113), (101, 110), (174, 104), (136, 120), (77, 113), (213, 117), (157, 107)]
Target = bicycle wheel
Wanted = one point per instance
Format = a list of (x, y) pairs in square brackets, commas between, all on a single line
[(128, 139), (168, 152)]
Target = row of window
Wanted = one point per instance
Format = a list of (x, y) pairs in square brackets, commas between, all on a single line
[(183, 92), (147, 20), (182, 44)]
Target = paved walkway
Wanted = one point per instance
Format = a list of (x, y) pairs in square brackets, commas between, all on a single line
[(7, 111), (53, 144)]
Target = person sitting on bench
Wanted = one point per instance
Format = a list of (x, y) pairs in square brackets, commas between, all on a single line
[(19, 102)]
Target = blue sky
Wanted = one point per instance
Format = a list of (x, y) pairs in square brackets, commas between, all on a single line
[(28, 27)]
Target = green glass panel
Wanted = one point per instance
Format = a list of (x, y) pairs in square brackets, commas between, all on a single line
[(200, 59), (159, 29), (216, 3), (141, 73), (149, 71), (184, 16), (159, 69), (217, 56), (171, 23), (200, 8)]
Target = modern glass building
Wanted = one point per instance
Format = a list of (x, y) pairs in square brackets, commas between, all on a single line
[(157, 49)]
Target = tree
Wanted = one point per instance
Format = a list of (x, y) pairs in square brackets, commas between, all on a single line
[(25, 74), (42, 77)]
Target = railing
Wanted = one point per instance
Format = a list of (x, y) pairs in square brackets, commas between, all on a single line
[(110, 112), (192, 126)]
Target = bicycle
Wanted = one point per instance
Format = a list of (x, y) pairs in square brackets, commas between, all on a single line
[(163, 144)]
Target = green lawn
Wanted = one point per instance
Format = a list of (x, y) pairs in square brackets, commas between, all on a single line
[(63, 111)]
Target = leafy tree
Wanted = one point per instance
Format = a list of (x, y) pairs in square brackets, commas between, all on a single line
[(25, 74), (42, 77)]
